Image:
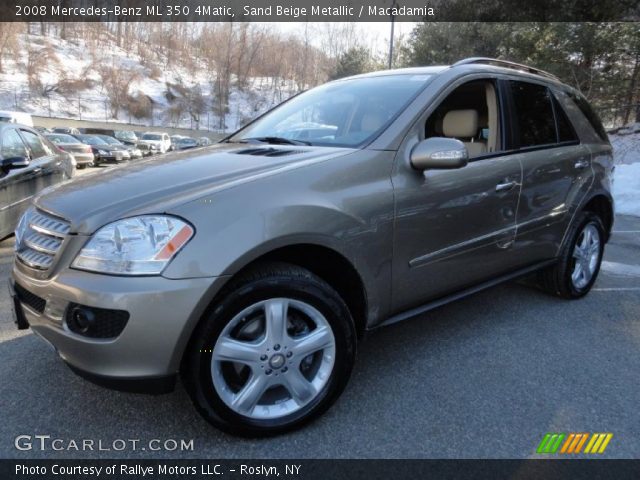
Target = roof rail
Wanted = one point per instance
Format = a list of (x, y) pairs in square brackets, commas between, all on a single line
[(505, 64)]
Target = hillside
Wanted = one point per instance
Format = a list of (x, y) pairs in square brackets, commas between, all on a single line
[(71, 79)]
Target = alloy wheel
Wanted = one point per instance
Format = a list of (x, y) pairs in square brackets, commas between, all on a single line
[(273, 358)]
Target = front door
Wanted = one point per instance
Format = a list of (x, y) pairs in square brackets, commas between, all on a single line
[(455, 228)]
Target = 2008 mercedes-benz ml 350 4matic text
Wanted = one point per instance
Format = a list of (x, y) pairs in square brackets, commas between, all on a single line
[(251, 268)]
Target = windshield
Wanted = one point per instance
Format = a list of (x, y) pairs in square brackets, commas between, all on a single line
[(346, 113), (92, 140), (126, 135), (151, 136), (62, 138), (110, 140)]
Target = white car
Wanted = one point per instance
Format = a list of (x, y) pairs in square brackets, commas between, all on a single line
[(154, 142), (16, 117)]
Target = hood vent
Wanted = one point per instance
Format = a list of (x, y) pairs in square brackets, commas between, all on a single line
[(266, 152)]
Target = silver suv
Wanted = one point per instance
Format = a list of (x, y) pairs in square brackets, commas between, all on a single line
[(251, 268)]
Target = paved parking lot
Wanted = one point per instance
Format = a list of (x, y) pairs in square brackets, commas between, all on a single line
[(487, 376)]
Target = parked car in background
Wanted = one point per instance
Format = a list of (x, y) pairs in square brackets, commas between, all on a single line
[(154, 142), (67, 130), (203, 141), (185, 143), (102, 151), (22, 118), (82, 152), (28, 163), (128, 137), (43, 130), (134, 152), (174, 141)]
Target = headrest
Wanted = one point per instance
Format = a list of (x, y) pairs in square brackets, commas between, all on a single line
[(460, 123)]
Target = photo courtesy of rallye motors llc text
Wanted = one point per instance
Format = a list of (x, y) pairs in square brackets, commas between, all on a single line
[(159, 469)]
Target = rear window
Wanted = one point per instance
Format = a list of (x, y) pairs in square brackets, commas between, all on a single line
[(566, 133), (591, 115), (535, 122)]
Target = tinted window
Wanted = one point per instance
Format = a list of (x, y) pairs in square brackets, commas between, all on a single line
[(534, 114), (12, 145), (565, 130), (591, 115), (35, 144)]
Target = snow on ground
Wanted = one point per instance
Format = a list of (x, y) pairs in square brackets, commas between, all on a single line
[(74, 60), (626, 178)]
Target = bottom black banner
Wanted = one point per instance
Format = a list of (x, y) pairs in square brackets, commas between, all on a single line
[(320, 469)]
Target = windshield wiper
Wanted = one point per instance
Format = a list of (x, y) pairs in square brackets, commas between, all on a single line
[(274, 141)]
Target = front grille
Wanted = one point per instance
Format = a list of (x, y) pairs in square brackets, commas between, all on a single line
[(95, 322), (30, 299), (41, 239)]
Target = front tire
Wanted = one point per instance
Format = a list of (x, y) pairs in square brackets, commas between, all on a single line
[(273, 354), (578, 266)]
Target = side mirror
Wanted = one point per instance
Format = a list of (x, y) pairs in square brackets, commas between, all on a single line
[(439, 153), (14, 163)]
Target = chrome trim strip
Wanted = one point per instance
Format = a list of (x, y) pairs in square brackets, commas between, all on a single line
[(45, 231), (462, 246), (40, 248), (6, 207)]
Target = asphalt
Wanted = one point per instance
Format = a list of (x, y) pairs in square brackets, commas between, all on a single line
[(485, 377)]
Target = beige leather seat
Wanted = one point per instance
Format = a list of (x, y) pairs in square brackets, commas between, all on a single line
[(463, 125)]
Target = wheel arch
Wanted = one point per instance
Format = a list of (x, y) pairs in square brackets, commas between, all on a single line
[(325, 262), (602, 205)]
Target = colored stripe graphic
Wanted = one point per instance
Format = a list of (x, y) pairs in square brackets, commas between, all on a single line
[(573, 443), (550, 443), (598, 443)]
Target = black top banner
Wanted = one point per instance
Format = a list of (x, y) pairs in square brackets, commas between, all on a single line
[(320, 10)]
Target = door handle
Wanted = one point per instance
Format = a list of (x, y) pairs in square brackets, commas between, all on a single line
[(37, 170), (505, 187), (580, 164)]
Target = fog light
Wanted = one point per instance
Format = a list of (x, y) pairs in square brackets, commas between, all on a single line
[(82, 320)]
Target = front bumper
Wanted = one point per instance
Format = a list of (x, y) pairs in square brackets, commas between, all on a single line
[(162, 315)]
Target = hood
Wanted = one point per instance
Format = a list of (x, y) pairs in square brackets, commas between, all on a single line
[(156, 185)]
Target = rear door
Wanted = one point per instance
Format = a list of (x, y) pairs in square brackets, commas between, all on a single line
[(556, 169)]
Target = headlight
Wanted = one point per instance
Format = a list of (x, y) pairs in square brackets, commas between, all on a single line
[(153, 147), (103, 152), (134, 246)]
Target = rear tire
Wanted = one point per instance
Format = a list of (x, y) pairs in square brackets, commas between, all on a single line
[(246, 378), (579, 263)]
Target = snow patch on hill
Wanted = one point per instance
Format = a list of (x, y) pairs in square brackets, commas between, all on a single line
[(68, 84)]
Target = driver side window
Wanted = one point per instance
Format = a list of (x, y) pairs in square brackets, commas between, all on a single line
[(470, 114)]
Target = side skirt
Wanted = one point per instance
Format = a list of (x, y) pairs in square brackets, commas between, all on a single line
[(463, 293)]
